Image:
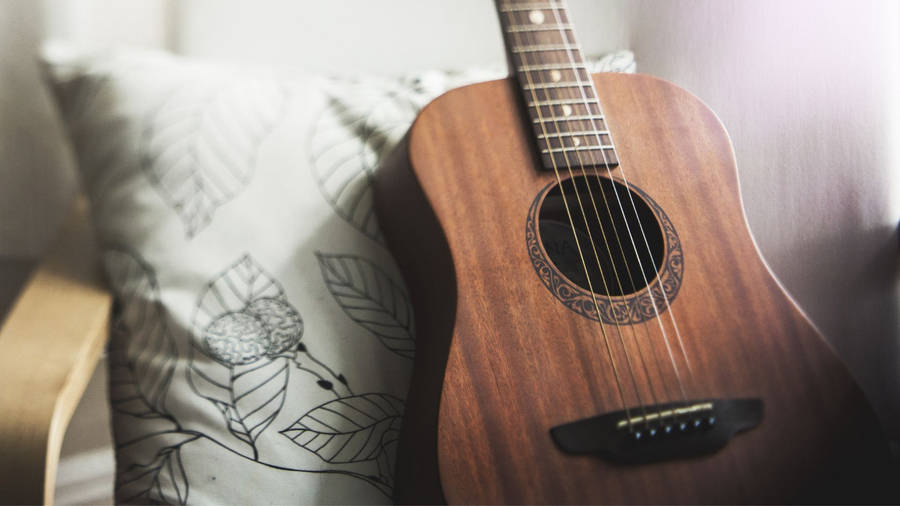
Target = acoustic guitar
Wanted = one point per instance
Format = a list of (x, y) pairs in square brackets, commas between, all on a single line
[(594, 320)]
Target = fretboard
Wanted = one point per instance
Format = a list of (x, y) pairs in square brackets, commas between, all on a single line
[(568, 123)]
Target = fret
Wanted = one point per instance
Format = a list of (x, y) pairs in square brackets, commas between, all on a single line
[(596, 125), (544, 86), (563, 101), (581, 142), (537, 28), (572, 118), (597, 157), (560, 140), (564, 111), (577, 148), (551, 66), (591, 133), (517, 7), (537, 48), (557, 76)]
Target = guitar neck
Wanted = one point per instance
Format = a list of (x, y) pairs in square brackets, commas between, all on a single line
[(557, 90)]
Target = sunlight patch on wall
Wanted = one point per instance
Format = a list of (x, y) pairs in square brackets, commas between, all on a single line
[(892, 130)]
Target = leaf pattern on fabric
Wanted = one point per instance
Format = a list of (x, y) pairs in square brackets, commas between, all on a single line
[(351, 137), (124, 393), (243, 315), (371, 299), (352, 429), (199, 147), (162, 480), (140, 335), (249, 396), (247, 336), (245, 325), (233, 290)]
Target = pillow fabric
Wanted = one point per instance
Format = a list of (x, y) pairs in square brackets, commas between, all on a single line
[(263, 337)]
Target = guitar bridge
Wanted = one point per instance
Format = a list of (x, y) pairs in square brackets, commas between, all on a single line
[(660, 432)]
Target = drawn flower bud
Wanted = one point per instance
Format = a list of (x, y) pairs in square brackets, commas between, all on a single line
[(282, 320), (237, 338)]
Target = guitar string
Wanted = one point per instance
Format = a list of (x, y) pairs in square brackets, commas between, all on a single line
[(644, 325), (593, 243), (646, 245), (606, 243), (574, 232), (612, 262)]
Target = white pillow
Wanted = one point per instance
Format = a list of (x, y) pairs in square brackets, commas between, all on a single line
[(264, 338)]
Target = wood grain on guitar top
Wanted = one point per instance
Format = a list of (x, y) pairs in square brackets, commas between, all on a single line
[(501, 361)]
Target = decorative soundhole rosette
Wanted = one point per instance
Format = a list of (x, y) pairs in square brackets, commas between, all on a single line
[(633, 308)]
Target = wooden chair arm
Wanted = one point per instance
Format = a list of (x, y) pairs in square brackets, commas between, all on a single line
[(49, 347)]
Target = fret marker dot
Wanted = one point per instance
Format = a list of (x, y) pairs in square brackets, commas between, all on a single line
[(576, 141), (567, 110), (555, 75), (536, 17)]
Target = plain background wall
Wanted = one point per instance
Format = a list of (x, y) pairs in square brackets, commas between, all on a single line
[(808, 90), (357, 35)]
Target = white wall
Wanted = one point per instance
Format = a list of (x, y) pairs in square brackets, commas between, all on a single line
[(360, 35), (810, 92)]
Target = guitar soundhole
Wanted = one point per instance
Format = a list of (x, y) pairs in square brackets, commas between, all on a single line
[(611, 238)]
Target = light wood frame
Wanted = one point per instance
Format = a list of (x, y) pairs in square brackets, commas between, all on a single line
[(50, 344)]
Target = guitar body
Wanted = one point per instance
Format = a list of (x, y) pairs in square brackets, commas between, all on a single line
[(502, 358)]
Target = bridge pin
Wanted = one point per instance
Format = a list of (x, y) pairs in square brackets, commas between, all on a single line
[(711, 420), (668, 429), (697, 423), (682, 426), (638, 435), (652, 432)]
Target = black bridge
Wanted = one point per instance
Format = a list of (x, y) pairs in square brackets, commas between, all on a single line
[(660, 432)]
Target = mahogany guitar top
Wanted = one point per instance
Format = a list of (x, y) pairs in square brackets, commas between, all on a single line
[(519, 361)]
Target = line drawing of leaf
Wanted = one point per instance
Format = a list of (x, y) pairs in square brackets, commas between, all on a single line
[(388, 457), (233, 290), (162, 480), (249, 397), (371, 299), (243, 315), (258, 393), (358, 128), (352, 429), (141, 340), (199, 147), (124, 394), (210, 379), (246, 335)]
